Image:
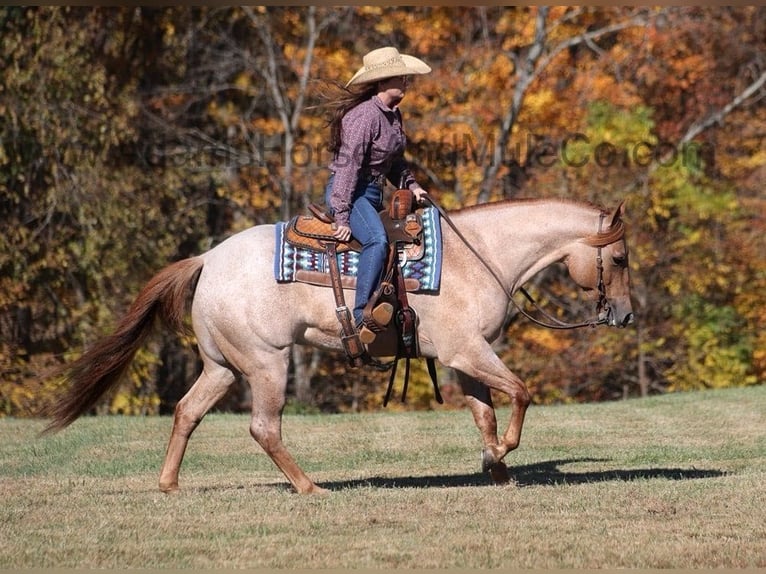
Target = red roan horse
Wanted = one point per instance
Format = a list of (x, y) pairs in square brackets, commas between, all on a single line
[(245, 322)]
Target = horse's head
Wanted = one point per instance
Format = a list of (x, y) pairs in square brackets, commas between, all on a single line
[(599, 264)]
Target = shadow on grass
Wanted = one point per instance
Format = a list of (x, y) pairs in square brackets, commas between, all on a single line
[(537, 474)]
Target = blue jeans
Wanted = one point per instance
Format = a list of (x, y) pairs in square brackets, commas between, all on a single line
[(367, 229)]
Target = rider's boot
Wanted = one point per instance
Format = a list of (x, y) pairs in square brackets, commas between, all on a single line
[(375, 321)]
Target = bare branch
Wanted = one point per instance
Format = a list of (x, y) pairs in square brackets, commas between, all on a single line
[(717, 117), (588, 37), (525, 74), (306, 71), (272, 74), (314, 32)]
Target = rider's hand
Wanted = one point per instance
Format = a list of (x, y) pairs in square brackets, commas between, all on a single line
[(342, 233), (420, 194)]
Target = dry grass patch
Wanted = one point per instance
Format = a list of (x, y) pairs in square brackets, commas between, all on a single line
[(675, 481)]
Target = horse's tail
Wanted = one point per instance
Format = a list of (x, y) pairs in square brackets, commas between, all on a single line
[(101, 367)]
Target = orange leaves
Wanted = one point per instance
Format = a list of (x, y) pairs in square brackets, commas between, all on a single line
[(516, 27), (545, 341)]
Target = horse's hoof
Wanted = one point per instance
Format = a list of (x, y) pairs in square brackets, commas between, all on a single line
[(314, 489), (169, 488), (488, 459), (499, 473)]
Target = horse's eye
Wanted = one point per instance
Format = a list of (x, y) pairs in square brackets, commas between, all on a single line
[(619, 260)]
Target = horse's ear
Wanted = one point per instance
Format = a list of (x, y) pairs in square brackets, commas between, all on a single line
[(618, 213)]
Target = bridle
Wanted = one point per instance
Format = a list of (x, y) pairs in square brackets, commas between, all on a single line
[(603, 309)]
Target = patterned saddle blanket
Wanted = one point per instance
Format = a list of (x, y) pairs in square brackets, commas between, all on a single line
[(421, 267)]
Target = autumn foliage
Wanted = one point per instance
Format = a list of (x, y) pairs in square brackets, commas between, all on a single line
[(132, 137)]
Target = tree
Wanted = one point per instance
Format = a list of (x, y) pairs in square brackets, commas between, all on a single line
[(70, 188)]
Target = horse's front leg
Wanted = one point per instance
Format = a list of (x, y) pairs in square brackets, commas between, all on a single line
[(484, 368), (479, 400)]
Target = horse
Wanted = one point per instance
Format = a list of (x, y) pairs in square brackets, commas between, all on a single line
[(245, 322)]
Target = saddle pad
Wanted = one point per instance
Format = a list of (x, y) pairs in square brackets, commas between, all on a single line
[(298, 264)]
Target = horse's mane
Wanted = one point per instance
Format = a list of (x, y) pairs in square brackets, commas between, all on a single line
[(527, 201), (610, 235)]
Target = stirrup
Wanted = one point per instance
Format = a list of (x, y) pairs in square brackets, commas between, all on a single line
[(366, 335), (382, 314), (379, 317), (375, 322)]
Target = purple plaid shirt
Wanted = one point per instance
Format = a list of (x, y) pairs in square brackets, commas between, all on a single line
[(372, 147)]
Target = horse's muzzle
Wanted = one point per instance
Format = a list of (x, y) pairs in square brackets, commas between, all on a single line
[(626, 320), (616, 317), (620, 320)]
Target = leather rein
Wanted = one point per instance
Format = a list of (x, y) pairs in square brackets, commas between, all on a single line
[(602, 306)]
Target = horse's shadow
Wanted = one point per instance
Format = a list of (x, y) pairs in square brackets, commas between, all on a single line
[(544, 473)]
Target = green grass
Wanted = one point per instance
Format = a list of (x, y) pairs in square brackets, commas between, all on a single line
[(673, 481)]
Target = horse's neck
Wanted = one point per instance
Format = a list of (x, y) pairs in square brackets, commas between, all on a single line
[(520, 239)]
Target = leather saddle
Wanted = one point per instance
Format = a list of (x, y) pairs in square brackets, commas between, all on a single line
[(315, 229)]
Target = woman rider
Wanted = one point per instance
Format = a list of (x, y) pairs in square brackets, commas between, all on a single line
[(368, 141)]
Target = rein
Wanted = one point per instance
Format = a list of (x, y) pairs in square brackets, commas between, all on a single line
[(602, 305)]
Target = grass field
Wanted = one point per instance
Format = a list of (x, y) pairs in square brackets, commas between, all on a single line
[(668, 482)]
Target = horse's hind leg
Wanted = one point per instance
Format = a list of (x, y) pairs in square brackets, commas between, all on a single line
[(268, 385), (209, 388)]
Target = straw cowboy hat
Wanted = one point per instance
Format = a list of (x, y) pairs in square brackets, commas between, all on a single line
[(387, 63)]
